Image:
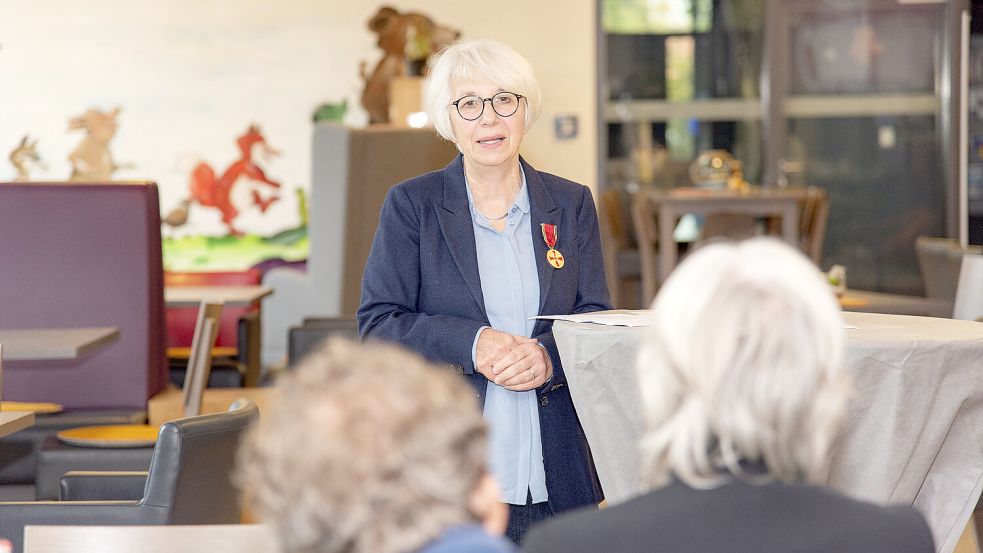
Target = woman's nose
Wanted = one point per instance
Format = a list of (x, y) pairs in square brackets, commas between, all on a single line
[(488, 114)]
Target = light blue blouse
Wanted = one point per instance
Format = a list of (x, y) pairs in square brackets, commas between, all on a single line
[(510, 286)]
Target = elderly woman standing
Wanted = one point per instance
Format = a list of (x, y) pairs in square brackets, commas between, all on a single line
[(464, 257), (743, 389)]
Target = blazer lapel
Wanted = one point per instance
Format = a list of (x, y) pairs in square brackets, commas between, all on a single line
[(542, 209), (454, 217)]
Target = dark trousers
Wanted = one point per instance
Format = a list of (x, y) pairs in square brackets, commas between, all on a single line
[(524, 517)]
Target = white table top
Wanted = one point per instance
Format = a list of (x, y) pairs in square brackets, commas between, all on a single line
[(192, 296), (13, 421), (912, 435), (224, 538), (54, 343)]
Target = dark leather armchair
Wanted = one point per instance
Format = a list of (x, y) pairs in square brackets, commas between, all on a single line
[(302, 340), (188, 482)]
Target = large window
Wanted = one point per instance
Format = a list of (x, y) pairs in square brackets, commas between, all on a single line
[(855, 96)]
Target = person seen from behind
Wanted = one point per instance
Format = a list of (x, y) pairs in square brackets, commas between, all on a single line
[(743, 388)]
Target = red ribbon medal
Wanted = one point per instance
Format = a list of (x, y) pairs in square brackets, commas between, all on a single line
[(553, 256)]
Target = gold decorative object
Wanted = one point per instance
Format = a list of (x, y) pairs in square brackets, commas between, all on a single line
[(711, 169)]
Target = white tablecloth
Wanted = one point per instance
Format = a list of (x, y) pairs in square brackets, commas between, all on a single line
[(914, 433)]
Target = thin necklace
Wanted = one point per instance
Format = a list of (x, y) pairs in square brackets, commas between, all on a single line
[(491, 219)]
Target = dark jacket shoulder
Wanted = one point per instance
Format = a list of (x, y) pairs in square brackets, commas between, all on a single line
[(738, 516), (420, 187)]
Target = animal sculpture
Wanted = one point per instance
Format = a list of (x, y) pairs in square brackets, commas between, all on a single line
[(24, 158), (407, 41), (210, 190), (91, 160)]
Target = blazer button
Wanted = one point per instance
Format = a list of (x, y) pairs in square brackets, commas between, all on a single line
[(544, 400), (458, 368)]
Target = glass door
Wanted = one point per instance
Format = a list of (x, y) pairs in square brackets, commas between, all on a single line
[(864, 109), (682, 76)]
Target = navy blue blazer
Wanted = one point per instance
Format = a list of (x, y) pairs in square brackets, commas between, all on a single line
[(422, 289)]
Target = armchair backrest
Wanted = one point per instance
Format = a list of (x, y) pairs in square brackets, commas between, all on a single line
[(189, 482), (940, 260), (191, 470), (647, 236), (84, 255)]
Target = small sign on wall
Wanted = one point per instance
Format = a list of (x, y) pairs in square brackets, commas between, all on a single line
[(565, 126)]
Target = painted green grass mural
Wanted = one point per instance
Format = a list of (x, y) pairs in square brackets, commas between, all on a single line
[(233, 253)]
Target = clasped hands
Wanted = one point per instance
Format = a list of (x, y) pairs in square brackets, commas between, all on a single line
[(514, 362)]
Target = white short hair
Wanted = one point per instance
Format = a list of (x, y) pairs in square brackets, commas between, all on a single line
[(743, 362), (478, 59)]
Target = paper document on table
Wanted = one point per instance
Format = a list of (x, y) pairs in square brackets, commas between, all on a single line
[(617, 317)]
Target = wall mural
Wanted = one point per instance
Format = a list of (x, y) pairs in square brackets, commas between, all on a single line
[(212, 100), (91, 159), (210, 190), (25, 158)]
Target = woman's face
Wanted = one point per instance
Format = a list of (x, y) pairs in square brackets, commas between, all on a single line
[(489, 140)]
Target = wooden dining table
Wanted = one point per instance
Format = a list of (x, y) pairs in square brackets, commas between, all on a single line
[(757, 202), (15, 421), (896, 304), (235, 295), (912, 434), (225, 538), (48, 344)]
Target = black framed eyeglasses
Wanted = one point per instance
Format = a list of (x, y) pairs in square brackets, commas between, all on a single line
[(505, 104)]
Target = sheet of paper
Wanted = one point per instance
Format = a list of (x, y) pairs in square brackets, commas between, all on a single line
[(617, 317)]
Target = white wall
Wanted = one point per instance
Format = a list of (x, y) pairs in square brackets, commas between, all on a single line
[(190, 74)]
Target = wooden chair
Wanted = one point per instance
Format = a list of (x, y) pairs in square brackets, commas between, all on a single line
[(621, 258), (728, 225), (812, 223), (200, 358), (238, 342), (647, 236)]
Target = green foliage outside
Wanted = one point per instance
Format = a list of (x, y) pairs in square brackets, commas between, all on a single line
[(656, 16)]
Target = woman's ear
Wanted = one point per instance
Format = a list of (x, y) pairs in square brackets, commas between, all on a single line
[(485, 503)]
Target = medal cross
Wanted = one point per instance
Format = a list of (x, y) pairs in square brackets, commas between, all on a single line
[(555, 258)]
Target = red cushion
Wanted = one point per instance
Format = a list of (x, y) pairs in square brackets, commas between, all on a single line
[(181, 320)]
